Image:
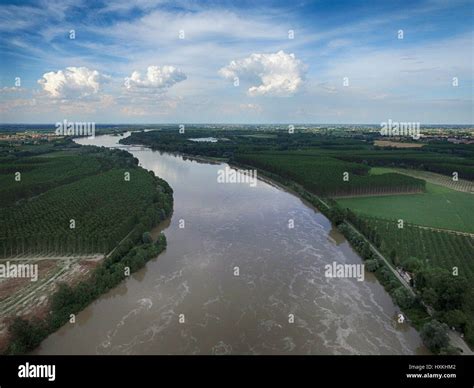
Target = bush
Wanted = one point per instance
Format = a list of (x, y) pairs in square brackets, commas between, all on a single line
[(412, 264), (146, 238), (456, 319), (450, 351), (372, 265), (26, 335), (403, 297), (435, 336)]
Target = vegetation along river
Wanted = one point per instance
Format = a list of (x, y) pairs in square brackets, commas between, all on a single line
[(190, 301)]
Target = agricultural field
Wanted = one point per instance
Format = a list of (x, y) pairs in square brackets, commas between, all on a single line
[(30, 176), (21, 297), (96, 205), (396, 144), (435, 248), (438, 179), (442, 265), (79, 207), (325, 175), (438, 207)]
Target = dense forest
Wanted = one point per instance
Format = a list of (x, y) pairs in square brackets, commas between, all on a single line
[(82, 202)]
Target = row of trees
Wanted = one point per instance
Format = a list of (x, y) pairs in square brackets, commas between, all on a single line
[(328, 176), (416, 159)]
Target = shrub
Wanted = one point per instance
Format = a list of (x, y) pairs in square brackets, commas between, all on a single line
[(435, 335), (403, 297)]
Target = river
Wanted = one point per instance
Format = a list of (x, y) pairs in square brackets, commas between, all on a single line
[(191, 300)]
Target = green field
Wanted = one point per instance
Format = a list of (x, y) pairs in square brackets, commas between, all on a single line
[(438, 207)]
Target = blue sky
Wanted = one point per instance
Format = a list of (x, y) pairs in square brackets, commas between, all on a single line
[(237, 62)]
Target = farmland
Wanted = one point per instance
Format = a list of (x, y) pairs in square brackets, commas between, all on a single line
[(438, 207), (441, 262), (436, 248), (74, 203), (438, 179), (95, 204)]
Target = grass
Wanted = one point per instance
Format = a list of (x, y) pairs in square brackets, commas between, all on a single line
[(438, 207), (441, 180)]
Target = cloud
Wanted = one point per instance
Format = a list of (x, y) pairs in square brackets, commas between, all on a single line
[(277, 74), (157, 78), (145, 108), (256, 108), (72, 82), (133, 111), (13, 89)]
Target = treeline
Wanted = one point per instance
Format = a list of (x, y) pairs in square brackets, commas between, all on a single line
[(231, 142), (441, 157), (328, 176), (442, 163)]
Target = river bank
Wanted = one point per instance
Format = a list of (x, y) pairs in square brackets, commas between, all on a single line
[(190, 300)]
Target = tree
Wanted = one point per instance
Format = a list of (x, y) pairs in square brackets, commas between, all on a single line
[(393, 256), (412, 264), (456, 319), (450, 292), (435, 335), (430, 296), (403, 297), (372, 265), (450, 351), (26, 335), (146, 238)]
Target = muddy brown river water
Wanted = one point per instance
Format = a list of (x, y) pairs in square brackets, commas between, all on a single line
[(189, 301)]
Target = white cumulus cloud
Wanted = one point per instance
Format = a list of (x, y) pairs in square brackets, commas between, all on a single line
[(279, 74), (156, 78), (72, 82)]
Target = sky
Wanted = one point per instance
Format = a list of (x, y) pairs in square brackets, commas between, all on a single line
[(141, 61)]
